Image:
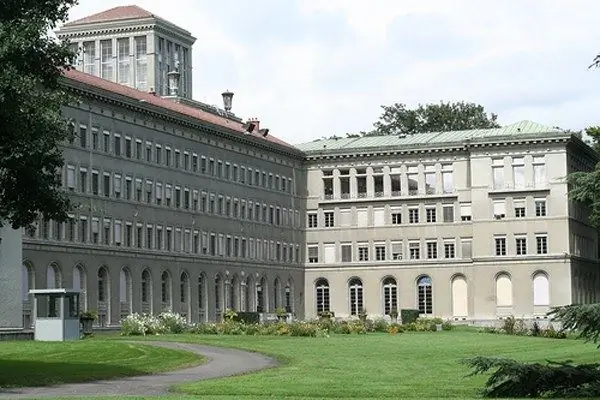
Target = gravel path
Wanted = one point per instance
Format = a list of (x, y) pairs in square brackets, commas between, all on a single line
[(221, 362)]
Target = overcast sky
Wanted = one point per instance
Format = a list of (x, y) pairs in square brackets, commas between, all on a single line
[(313, 68)]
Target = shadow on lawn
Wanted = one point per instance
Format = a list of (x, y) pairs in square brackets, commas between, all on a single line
[(20, 373)]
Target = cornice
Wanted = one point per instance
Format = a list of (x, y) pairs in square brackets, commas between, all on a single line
[(458, 147), (170, 116)]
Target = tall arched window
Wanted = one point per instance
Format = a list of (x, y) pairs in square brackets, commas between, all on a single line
[(184, 288), (503, 291), (460, 305), (80, 283), (390, 295), (218, 294), (27, 280), (425, 295), (322, 292), (202, 299), (165, 289), (103, 285), (146, 287), (356, 296), (261, 289), (53, 276), (125, 288), (541, 289)]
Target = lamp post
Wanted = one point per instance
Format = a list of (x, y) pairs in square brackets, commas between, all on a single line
[(227, 100)]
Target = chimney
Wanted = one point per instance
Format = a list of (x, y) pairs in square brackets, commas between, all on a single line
[(256, 123), (173, 77)]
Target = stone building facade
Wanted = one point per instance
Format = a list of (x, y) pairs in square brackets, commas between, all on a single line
[(176, 209), (471, 225)]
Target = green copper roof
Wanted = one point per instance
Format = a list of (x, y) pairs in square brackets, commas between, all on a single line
[(523, 129)]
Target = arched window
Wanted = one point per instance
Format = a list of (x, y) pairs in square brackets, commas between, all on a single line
[(248, 295), (503, 291), (425, 295), (53, 276), (184, 288), (146, 287), (218, 293), (27, 280), (390, 295), (165, 289), (356, 296), (322, 289), (103, 285), (459, 297), (261, 292), (201, 292), (125, 286), (541, 289)]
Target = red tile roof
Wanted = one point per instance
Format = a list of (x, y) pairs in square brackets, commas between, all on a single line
[(168, 105), (117, 13)]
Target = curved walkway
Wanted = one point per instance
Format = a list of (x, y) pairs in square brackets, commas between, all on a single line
[(221, 362)]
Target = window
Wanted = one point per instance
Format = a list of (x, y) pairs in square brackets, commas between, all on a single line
[(519, 205), (83, 229), (413, 215), (539, 171), (500, 244), (521, 245), (466, 245), (159, 193), (327, 186), (128, 187), (106, 184), (414, 250), (83, 179), (313, 254), (106, 59), (138, 149), (95, 183), (141, 67), (149, 191), (465, 212), (355, 288), (540, 207), (177, 162), (430, 213), (83, 136), (167, 156), (425, 295), (346, 250), (396, 180), (322, 295), (71, 177), (89, 58), (95, 139), (430, 179), (138, 189), (448, 212), (396, 250), (329, 219), (447, 178), (117, 186), (203, 165), (519, 172), (186, 160), (168, 194), (498, 173), (194, 162), (541, 244), (124, 70), (117, 144), (158, 154), (499, 209), (106, 232), (396, 217), (363, 252), (449, 249), (149, 236), (390, 296), (106, 142), (432, 250), (128, 147), (95, 230), (380, 252), (412, 177)]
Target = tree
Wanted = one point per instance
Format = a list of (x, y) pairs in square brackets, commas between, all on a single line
[(30, 110), (442, 117)]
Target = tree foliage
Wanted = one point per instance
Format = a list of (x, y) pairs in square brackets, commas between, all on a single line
[(582, 318), (442, 117), (30, 110)]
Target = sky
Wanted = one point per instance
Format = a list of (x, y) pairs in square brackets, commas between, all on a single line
[(315, 68)]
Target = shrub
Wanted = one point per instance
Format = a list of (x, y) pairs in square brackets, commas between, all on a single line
[(447, 326), (172, 323), (395, 328), (380, 325), (408, 316), (247, 317)]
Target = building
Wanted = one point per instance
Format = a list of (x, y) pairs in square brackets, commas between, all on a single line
[(470, 225), (133, 47), (177, 209), (183, 206), (10, 272)]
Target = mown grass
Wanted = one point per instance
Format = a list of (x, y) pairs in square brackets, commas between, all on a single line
[(24, 363), (411, 365)]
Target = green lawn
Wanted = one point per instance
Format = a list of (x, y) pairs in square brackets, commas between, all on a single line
[(423, 365), (411, 365), (24, 363)]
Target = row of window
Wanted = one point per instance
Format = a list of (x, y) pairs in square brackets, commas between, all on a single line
[(429, 249), (150, 236), (127, 187), (165, 155), (520, 170), (397, 215), (375, 182), (424, 294)]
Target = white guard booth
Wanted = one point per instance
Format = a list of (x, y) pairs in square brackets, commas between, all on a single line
[(56, 314)]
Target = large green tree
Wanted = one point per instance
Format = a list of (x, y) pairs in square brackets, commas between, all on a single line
[(32, 127), (398, 119)]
